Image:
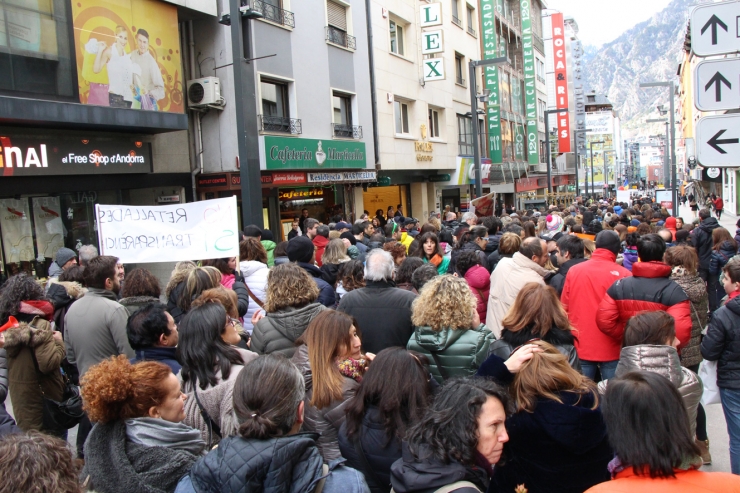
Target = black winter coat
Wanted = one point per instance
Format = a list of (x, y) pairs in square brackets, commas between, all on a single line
[(329, 273), (563, 340), (701, 239), (467, 247), (494, 258), (493, 241), (172, 306), (326, 292), (722, 344), (379, 452), (242, 294), (557, 281), (719, 258), (427, 474), (737, 236), (380, 301)]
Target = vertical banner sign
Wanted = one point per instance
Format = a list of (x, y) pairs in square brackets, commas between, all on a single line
[(488, 23), (530, 87), (15, 222), (47, 219), (561, 82)]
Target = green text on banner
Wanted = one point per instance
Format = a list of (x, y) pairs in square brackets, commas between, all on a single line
[(530, 87), (493, 113)]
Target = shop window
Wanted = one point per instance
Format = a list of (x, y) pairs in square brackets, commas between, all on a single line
[(459, 64), (464, 135), (401, 110), (397, 37), (36, 49), (434, 119)]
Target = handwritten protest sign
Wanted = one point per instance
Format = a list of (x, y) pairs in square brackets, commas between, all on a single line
[(167, 233)]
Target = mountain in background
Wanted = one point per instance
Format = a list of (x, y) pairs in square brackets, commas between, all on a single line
[(650, 51)]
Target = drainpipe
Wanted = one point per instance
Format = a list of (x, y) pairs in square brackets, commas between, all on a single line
[(373, 92), (197, 123)]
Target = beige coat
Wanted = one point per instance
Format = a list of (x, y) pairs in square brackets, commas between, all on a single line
[(507, 279)]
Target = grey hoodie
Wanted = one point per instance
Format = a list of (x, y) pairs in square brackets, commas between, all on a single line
[(278, 331)]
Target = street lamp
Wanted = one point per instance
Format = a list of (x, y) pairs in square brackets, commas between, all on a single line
[(666, 165), (576, 132), (671, 88), (591, 149), (547, 145), (606, 173), (474, 110)]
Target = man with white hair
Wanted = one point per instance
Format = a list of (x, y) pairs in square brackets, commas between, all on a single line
[(470, 218), (382, 311), (87, 253)]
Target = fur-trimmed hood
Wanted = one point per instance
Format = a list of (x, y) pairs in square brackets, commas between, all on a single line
[(25, 336)]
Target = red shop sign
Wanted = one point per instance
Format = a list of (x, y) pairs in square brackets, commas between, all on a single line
[(288, 178)]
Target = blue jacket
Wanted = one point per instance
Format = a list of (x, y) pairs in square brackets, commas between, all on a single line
[(164, 355), (326, 292), (720, 257)]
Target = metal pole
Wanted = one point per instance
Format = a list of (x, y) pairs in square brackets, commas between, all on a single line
[(673, 153), (666, 160), (547, 151), (593, 189), (474, 108), (575, 134)]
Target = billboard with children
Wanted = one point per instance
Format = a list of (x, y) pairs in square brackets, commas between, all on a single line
[(128, 54)]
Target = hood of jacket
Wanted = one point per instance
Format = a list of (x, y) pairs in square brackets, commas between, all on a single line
[(251, 267), (727, 249), (312, 270), (25, 335), (138, 300), (526, 263), (426, 474), (570, 263), (320, 241), (54, 270), (62, 294), (663, 360), (438, 341), (709, 224), (478, 278), (289, 464), (732, 305), (292, 322), (572, 424), (269, 245), (651, 269)]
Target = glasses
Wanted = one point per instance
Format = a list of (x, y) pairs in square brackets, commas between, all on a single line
[(534, 339), (233, 321)]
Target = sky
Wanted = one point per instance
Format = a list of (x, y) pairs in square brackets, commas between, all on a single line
[(601, 21)]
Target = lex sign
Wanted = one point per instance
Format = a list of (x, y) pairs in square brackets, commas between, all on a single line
[(430, 15), (434, 69)]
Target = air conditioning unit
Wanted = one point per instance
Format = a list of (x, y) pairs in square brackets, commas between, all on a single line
[(204, 91)]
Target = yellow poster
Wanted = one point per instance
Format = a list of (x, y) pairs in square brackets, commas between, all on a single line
[(128, 54)]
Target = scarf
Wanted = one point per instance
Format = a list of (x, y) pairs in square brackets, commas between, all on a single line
[(155, 432), (42, 308), (352, 368), (615, 466), (732, 295), (436, 260)]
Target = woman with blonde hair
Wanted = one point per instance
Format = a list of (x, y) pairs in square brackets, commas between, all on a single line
[(447, 328), (332, 259), (198, 280), (253, 266), (332, 365), (176, 286), (557, 437), (290, 305), (548, 322)]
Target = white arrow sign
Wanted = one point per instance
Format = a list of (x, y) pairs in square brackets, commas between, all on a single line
[(717, 84), (714, 29), (718, 141)]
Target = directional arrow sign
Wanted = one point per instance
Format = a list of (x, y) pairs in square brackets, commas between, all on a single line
[(717, 84), (718, 141), (714, 29)]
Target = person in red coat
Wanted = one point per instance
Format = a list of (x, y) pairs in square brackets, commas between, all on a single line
[(478, 278), (649, 289), (719, 204), (585, 287), (320, 241)]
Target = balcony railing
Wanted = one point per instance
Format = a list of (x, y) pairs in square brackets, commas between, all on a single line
[(541, 79), (273, 13), (347, 131), (341, 38), (280, 124), (471, 31), (456, 21), (538, 43), (460, 80)]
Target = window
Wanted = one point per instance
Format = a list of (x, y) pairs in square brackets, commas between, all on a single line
[(456, 12), (396, 38), (541, 70), (464, 135), (433, 123), (342, 117), (471, 21), (336, 31), (459, 69), (275, 115), (273, 11), (401, 111)]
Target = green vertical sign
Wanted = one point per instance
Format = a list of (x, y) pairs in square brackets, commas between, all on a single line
[(530, 87), (493, 113)]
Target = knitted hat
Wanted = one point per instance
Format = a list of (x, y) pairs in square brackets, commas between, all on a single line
[(64, 255), (300, 249), (267, 235), (595, 227), (608, 240), (631, 229), (349, 236), (554, 223)]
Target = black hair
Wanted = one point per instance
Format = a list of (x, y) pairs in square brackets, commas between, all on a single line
[(449, 428), (20, 287), (253, 231), (143, 33), (445, 236), (357, 229), (492, 223), (571, 244), (651, 248), (466, 260), (422, 275), (73, 274), (200, 348), (513, 228), (647, 424), (407, 269), (471, 235), (146, 325), (631, 239), (423, 239)]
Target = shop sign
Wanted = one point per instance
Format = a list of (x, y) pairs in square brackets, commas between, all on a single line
[(491, 75), (288, 153), (438, 178), (266, 179), (46, 157), (430, 15), (213, 181), (169, 199), (530, 87), (420, 146), (344, 176), (301, 193), (288, 178), (384, 181), (561, 82)]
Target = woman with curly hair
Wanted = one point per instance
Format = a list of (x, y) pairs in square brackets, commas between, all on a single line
[(175, 287), (29, 344), (351, 276), (253, 266), (139, 443), (431, 252), (397, 251), (141, 288), (290, 305), (557, 437), (447, 328)]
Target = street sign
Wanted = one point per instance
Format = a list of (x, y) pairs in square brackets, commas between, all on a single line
[(715, 29), (718, 141), (717, 84)]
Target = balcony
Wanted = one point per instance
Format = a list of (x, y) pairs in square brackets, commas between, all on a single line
[(541, 79), (456, 21), (472, 32), (343, 131), (538, 43), (338, 37), (273, 13), (460, 81), (280, 124)]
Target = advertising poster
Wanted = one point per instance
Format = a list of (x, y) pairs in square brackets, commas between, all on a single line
[(15, 224), (47, 219), (128, 54), (561, 82)]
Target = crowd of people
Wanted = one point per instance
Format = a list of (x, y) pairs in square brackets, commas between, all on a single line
[(540, 351)]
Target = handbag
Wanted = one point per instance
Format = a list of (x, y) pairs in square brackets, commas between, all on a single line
[(708, 375), (66, 413), (213, 427)]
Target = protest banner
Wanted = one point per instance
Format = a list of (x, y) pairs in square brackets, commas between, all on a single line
[(484, 206), (168, 233)]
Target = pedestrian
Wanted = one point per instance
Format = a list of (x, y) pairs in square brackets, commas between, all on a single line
[(508, 245), (473, 240), (701, 238), (447, 329), (320, 240), (405, 272), (267, 240), (478, 278), (693, 205), (253, 267), (139, 441), (725, 247), (199, 279), (268, 452), (719, 205), (431, 252), (152, 333), (569, 252), (334, 256), (176, 286), (231, 278), (291, 304), (302, 251), (141, 289), (422, 276), (64, 259)]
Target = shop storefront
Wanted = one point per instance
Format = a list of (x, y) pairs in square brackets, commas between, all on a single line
[(532, 193)]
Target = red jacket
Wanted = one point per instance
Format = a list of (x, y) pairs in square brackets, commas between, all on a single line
[(320, 243), (585, 287), (719, 204), (649, 289), (691, 481), (479, 281)]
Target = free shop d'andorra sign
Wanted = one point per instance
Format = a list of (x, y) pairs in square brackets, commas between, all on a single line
[(294, 153)]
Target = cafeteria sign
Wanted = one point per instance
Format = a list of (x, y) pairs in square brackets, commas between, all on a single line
[(292, 153)]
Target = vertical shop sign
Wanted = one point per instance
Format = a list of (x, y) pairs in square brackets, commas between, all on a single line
[(491, 73), (15, 223), (47, 220), (530, 85), (561, 82)]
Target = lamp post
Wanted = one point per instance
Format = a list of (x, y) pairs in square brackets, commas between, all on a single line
[(666, 165), (576, 132), (547, 145), (474, 110), (671, 88), (591, 150), (606, 173)]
